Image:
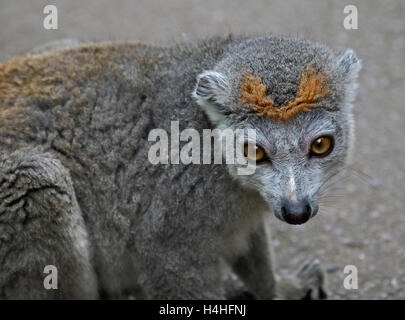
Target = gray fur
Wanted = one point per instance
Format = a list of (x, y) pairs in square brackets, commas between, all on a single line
[(158, 230)]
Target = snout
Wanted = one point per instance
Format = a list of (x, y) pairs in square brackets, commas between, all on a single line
[(297, 212)]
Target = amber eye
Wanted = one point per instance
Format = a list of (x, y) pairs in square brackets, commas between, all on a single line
[(257, 153), (321, 146)]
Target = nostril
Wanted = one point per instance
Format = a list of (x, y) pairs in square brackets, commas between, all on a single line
[(283, 211), (308, 210)]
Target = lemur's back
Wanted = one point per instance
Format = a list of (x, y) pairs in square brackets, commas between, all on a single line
[(93, 107)]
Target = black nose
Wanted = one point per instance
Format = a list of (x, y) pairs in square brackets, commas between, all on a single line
[(296, 212)]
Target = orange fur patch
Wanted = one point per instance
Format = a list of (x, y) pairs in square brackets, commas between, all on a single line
[(312, 88)]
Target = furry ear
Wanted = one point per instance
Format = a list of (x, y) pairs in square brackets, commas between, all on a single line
[(211, 93), (350, 66)]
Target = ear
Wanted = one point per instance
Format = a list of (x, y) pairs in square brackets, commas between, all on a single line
[(349, 65), (211, 93)]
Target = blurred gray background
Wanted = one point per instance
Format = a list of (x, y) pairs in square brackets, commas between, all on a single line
[(363, 224)]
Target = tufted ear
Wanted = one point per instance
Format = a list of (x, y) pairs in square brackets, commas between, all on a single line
[(349, 65), (211, 93)]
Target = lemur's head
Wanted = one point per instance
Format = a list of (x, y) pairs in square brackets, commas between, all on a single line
[(297, 96)]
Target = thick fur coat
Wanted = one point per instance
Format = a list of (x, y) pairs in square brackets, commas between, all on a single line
[(77, 189)]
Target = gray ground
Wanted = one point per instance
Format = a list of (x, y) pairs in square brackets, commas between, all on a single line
[(364, 224)]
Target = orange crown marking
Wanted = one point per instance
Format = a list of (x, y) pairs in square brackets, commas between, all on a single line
[(312, 88)]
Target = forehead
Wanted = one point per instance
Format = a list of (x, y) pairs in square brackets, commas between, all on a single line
[(312, 88), (305, 126)]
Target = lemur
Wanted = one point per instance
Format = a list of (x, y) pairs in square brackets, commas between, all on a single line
[(77, 190)]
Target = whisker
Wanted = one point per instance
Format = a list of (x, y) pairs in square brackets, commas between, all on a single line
[(361, 175), (333, 196)]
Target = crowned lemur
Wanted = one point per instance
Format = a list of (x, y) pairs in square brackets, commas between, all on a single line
[(77, 189)]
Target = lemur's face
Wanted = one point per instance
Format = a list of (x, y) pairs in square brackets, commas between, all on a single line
[(297, 97), (294, 160)]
